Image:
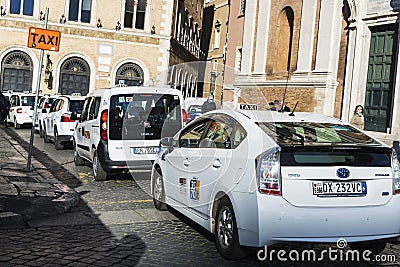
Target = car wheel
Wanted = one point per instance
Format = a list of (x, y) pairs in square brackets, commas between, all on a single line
[(99, 173), (45, 136), (375, 247), (57, 143), (16, 124), (41, 132), (226, 233), (158, 191)]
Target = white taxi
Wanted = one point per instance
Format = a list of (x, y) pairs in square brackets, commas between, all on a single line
[(21, 111), (43, 109), (59, 125), (254, 178)]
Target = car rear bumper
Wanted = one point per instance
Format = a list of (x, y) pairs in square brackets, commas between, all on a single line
[(280, 221), (110, 165)]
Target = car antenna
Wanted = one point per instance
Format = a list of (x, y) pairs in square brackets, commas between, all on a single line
[(284, 94), (292, 113)]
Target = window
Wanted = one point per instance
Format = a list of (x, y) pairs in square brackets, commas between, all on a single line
[(79, 10), (218, 136), (284, 41), (242, 7), (135, 12), (24, 7), (191, 137)]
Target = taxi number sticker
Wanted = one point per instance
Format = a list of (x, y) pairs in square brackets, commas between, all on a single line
[(195, 189)]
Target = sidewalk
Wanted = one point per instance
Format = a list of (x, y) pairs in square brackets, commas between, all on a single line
[(28, 195)]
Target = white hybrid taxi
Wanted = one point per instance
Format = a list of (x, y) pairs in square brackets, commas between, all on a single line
[(255, 178)]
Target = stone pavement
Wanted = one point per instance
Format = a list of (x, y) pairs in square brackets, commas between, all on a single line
[(28, 195)]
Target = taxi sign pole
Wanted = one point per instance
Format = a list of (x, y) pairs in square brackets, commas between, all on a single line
[(28, 167)]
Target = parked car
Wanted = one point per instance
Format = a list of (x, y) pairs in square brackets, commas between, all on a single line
[(21, 111), (120, 128), (61, 120), (255, 178), (193, 107), (43, 109)]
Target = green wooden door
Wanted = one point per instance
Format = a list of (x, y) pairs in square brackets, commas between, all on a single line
[(378, 96)]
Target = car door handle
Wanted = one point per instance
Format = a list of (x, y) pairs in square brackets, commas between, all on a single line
[(186, 162), (217, 163)]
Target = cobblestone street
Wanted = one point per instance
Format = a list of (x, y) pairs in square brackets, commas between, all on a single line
[(115, 224)]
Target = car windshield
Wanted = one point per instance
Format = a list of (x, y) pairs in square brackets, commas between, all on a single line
[(312, 133), (27, 101), (144, 116)]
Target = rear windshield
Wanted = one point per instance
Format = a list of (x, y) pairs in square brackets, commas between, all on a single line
[(144, 116), (195, 108), (312, 133), (27, 101), (76, 106)]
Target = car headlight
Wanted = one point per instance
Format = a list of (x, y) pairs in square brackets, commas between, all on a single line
[(269, 172)]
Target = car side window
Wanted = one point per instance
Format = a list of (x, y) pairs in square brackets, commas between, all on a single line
[(59, 106), (85, 110), (239, 134), (94, 108), (218, 136), (53, 107), (191, 137)]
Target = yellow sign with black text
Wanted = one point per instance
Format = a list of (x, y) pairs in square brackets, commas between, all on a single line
[(44, 39)]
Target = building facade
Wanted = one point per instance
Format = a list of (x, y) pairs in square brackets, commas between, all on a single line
[(186, 46), (214, 72), (372, 72), (103, 43)]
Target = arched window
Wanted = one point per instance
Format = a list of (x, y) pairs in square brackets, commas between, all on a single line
[(284, 40), (16, 69), (135, 13), (131, 74), (75, 76)]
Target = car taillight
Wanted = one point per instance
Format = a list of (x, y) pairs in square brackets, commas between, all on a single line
[(396, 173), (66, 118), (269, 172), (184, 115), (19, 110), (103, 125)]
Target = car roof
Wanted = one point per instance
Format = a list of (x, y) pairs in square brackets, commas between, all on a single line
[(72, 97), (130, 89), (274, 116)]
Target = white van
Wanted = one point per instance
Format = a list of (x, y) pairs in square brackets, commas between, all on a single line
[(120, 128)]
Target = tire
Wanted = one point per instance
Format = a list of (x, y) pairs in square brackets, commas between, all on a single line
[(77, 159), (45, 137), (99, 173), (57, 143), (16, 124), (158, 191), (226, 232), (375, 247), (41, 132)]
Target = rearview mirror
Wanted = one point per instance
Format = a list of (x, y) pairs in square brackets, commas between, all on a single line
[(167, 142)]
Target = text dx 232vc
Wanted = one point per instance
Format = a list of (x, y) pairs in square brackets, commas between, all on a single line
[(259, 178)]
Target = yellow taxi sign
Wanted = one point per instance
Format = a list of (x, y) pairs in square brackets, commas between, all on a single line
[(44, 39)]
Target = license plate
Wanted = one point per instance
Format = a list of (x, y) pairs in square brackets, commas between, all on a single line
[(340, 188), (145, 150)]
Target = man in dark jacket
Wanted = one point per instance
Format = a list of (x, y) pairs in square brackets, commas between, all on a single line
[(4, 107), (208, 105)]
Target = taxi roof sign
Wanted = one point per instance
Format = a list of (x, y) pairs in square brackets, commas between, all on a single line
[(248, 106), (44, 39)]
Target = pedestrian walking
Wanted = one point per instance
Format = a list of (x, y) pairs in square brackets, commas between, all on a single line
[(358, 117), (208, 105)]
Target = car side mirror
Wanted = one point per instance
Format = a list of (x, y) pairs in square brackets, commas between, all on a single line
[(74, 116), (167, 142)]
